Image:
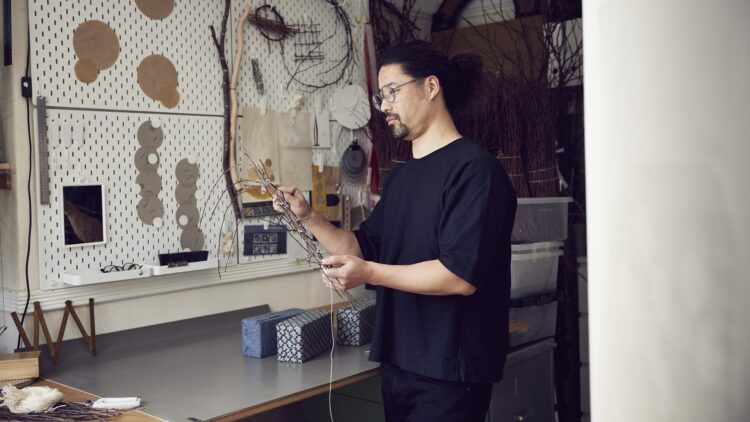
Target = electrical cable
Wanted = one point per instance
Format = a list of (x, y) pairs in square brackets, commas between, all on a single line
[(28, 187)]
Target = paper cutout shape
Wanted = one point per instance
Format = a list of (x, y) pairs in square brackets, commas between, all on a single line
[(157, 78), (142, 159), (190, 211), (187, 173), (351, 107), (155, 9), (97, 48), (150, 208), (185, 193), (191, 238), (150, 136), (86, 71), (150, 183)]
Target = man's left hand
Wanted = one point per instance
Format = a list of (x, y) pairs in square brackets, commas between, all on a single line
[(345, 271)]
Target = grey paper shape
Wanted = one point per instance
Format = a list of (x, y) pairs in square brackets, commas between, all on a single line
[(149, 208), (150, 183), (191, 238), (190, 211), (187, 174), (149, 136), (185, 194), (141, 159)]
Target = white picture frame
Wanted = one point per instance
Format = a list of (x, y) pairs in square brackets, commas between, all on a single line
[(83, 214)]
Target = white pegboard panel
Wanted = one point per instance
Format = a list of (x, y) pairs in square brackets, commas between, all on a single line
[(271, 63), (106, 156), (183, 37), (118, 106)]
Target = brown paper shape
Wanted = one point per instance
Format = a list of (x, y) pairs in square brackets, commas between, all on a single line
[(86, 71), (169, 99), (155, 9), (191, 238), (260, 142), (186, 173), (185, 194), (157, 78), (149, 136), (190, 211), (141, 159), (149, 208), (150, 183), (95, 41)]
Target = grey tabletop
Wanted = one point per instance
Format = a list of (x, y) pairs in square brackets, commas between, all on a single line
[(194, 368)]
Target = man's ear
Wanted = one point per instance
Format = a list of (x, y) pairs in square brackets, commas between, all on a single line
[(432, 84)]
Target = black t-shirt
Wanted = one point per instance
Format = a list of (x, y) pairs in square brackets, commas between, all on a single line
[(456, 205)]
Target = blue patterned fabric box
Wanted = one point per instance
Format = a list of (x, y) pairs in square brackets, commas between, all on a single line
[(259, 332), (303, 337), (355, 323)]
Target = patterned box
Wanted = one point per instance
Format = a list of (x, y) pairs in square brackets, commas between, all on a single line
[(355, 323), (259, 332), (304, 336)]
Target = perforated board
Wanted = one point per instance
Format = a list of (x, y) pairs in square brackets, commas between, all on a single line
[(112, 107)]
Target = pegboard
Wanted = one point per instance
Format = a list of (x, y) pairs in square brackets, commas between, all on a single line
[(106, 156), (183, 37), (113, 106)]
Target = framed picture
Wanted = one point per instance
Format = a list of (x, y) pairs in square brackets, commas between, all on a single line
[(83, 210)]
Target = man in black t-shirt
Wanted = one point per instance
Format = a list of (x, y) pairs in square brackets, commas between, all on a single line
[(436, 247)]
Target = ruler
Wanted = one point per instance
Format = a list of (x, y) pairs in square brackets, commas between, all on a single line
[(41, 124)]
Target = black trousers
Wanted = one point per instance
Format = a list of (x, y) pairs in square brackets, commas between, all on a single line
[(410, 397)]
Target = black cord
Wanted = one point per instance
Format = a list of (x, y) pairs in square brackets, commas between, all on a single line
[(28, 188)]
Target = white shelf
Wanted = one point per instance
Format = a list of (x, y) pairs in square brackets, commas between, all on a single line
[(84, 278), (192, 266)]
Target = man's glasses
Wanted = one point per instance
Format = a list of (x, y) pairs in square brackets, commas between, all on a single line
[(388, 94)]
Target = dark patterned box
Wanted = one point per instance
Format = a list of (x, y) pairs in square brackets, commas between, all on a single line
[(259, 332), (355, 323), (304, 336)]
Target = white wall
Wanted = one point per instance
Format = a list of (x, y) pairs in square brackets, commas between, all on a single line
[(667, 127)]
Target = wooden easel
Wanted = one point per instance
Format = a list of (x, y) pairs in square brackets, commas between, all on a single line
[(54, 348)]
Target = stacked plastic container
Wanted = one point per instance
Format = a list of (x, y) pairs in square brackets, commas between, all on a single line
[(540, 228)]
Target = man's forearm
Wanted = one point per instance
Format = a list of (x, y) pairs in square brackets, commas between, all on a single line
[(333, 239), (428, 278)]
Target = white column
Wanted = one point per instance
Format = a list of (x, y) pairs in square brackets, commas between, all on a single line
[(667, 103)]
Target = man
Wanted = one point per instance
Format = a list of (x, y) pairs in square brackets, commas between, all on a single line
[(436, 247)]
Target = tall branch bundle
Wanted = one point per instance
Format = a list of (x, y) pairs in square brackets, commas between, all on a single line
[(227, 163), (533, 61)]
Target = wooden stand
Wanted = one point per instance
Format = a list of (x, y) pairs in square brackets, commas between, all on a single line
[(54, 348)]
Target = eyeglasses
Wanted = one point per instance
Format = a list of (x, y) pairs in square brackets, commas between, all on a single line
[(124, 267), (388, 94)]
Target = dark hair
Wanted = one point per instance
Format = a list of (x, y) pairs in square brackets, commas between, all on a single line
[(458, 76)]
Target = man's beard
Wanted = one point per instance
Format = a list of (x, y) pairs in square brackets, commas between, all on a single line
[(398, 129)]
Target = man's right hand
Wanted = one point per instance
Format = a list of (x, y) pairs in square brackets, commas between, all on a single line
[(297, 203)]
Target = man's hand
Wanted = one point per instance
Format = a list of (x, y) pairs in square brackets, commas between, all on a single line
[(345, 272), (297, 203)]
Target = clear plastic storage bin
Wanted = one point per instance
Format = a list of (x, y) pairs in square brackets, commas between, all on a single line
[(541, 220), (533, 268), (539, 316)]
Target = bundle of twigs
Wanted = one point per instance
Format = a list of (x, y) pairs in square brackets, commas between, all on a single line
[(539, 149), (266, 25), (63, 413), (297, 230), (511, 138)]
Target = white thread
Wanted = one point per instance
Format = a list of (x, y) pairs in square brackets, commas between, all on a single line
[(333, 346)]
